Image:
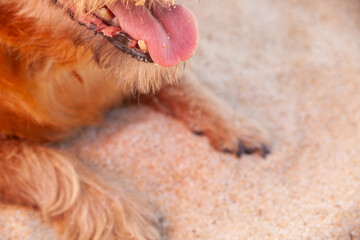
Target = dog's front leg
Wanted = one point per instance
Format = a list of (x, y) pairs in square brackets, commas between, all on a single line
[(70, 195), (206, 114)]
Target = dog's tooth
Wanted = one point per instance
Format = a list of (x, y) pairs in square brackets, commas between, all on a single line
[(139, 2), (143, 46), (116, 21), (106, 14)]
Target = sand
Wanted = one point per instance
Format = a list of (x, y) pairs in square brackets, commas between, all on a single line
[(294, 66)]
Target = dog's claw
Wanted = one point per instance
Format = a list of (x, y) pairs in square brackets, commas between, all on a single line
[(241, 149), (264, 151)]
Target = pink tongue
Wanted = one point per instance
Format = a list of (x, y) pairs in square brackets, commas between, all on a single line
[(171, 39)]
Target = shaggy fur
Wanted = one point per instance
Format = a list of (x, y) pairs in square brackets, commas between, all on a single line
[(56, 76)]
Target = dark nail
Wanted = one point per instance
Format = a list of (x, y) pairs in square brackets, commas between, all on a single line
[(264, 151), (241, 149)]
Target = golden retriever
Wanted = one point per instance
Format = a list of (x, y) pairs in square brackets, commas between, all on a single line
[(63, 62)]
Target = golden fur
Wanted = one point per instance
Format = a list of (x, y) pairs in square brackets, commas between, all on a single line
[(56, 79)]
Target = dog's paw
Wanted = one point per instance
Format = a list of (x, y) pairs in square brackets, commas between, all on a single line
[(238, 136)]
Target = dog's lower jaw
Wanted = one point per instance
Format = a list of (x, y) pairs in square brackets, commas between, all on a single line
[(39, 44)]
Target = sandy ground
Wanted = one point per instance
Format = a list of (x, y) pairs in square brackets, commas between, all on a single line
[(292, 65)]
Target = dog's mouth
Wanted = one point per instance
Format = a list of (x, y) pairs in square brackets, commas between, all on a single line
[(165, 35)]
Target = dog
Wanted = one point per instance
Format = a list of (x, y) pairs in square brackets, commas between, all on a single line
[(63, 63)]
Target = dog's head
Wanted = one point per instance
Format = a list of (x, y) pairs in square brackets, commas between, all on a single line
[(138, 40)]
